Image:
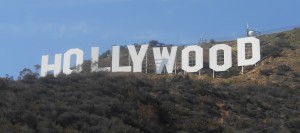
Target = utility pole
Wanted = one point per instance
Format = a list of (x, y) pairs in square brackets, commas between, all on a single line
[(175, 66), (247, 30), (147, 61), (129, 59), (247, 35)]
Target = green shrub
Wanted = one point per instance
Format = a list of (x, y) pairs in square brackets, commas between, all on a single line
[(266, 72)]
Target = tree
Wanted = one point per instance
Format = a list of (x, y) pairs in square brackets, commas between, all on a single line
[(24, 72), (153, 43), (27, 75), (8, 77), (37, 67)]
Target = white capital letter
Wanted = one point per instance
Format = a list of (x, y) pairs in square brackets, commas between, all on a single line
[(137, 59), (213, 57), (198, 58), (164, 59), (116, 61), (95, 61), (241, 50), (67, 60), (56, 67)]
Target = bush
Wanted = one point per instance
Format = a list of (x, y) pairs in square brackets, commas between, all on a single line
[(271, 50), (266, 72), (282, 69), (3, 84)]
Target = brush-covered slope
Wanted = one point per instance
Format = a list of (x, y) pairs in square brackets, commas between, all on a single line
[(264, 99)]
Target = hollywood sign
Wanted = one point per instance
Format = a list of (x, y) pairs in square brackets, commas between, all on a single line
[(163, 58)]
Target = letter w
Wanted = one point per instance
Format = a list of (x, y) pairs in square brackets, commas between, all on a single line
[(164, 59)]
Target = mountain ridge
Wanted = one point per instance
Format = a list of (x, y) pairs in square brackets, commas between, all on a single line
[(263, 99)]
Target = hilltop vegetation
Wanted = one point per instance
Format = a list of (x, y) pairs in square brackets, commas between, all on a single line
[(264, 99)]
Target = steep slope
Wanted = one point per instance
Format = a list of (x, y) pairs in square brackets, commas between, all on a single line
[(273, 45), (264, 99)]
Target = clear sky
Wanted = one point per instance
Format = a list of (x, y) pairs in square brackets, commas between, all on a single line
[(32, 28)]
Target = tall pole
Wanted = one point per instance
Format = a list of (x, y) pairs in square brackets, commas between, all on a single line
[(147, 61), (242, 70), (247, 30), (175, 67), (181, 62), (247, 34), (129, 58), (111, 56)]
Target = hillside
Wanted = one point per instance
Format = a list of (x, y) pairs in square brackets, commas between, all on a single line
[(264, 99)]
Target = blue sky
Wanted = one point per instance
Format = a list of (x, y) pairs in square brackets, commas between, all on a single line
[(32, 28)]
